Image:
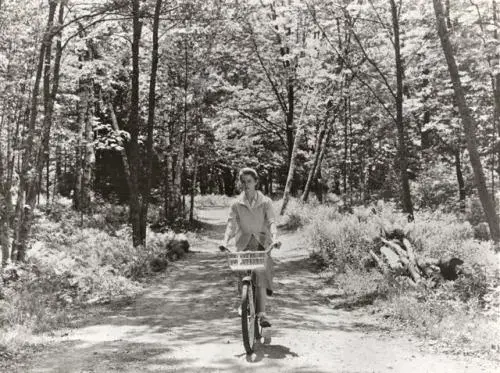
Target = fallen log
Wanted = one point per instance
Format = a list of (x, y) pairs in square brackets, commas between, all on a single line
[(404, 258), (412, 265), (402, 253), (380, 263), (392, 258), (397, 256)]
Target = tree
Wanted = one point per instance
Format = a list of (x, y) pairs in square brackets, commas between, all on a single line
[(151, 119), (30, 164), (468, 123), (133, 127)]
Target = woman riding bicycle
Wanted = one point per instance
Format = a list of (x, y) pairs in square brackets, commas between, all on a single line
[(252, 222)]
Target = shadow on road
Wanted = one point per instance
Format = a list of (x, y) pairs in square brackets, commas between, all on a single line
[(191, 318), (270, 351)]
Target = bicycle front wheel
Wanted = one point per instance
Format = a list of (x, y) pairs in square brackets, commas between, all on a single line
[(248, 318)]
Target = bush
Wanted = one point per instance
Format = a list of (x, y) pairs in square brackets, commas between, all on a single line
[(73, 263), (437, 188), (460, 312), (212, 200), (460, 326), (299, 214)]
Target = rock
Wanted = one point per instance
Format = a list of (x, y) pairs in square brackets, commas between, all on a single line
[(448, 267), (158, 264), (482, 232), (10, 274), (177, 247)]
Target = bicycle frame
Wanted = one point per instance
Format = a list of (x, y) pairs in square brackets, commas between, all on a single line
[(250, 325)]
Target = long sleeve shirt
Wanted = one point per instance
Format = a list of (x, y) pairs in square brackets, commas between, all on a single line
[(251, 220)]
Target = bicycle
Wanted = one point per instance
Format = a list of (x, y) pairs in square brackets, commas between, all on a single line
[(247, 262)]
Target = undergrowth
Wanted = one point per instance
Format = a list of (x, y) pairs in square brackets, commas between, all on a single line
[(458, 314), (75, 261)]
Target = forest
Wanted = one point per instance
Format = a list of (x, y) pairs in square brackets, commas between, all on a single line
[(134, 111)]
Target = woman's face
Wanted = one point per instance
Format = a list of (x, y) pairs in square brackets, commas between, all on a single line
[(248, 183)]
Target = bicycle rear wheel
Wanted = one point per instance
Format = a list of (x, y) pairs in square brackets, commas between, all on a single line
[(249, 325)]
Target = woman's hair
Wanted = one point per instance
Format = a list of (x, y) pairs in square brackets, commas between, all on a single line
[(249, 171)]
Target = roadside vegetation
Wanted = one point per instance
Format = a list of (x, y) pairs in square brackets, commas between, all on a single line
[(459, 316), (80, 261), (77, 262)]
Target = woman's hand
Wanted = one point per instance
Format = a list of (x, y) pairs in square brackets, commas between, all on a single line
[(223, 246), (274, 245)]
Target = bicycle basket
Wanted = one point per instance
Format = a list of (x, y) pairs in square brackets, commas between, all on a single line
[(246, 260)]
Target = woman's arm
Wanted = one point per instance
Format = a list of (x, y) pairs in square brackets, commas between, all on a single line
[(274, 231), (271, 220), (231, 225)]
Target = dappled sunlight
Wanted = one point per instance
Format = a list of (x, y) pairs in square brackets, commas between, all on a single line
[(188, 322)]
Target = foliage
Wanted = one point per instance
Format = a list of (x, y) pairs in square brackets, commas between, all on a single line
[(235, 82), (75, 263), (340, 244), (213, 200)]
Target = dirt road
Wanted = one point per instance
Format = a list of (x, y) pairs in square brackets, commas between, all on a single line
[(188, 323)]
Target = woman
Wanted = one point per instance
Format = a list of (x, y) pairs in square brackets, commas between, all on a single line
[(252, 222)]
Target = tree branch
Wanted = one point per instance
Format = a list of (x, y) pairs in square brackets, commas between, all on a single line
[(269, 78)]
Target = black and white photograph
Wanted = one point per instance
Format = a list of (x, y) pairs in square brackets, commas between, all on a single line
[(239, 186)]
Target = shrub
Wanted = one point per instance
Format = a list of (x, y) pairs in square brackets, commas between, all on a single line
[(342, 243), (299, 214), (213, 200), (460, 312), (438, 314), (437, 188)]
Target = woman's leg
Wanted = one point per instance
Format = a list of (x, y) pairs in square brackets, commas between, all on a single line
[(261, 297)]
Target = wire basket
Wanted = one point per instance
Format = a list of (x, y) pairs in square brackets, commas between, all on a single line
[(247, 260)]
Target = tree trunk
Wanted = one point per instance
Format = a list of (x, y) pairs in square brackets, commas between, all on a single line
[(123, 153), (169, 190), (88, 147), (291, 169), (468, 123), (85, 147), (228, 180), (193, 186), (270, 188), (313, 171), (182, 185), (146, 195), (80, 146), (289, 119), (176, 198), (460, 180), (58, 175), (403, 161), (29, 177), (49, 101), (296, 144), (496, 86), (349, 122), (4, 210), (346, 140), (133, 127)]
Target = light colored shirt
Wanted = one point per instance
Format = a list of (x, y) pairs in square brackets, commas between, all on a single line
[(251, 220)]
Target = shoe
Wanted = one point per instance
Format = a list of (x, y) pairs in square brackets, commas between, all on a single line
[(264, 322)]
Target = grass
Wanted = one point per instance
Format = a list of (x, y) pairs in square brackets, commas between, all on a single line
[(460, 315), (212, 200), (79, 261), (75, 262)]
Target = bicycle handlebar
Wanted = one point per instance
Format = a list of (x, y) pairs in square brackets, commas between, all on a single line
[(274, 245)]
